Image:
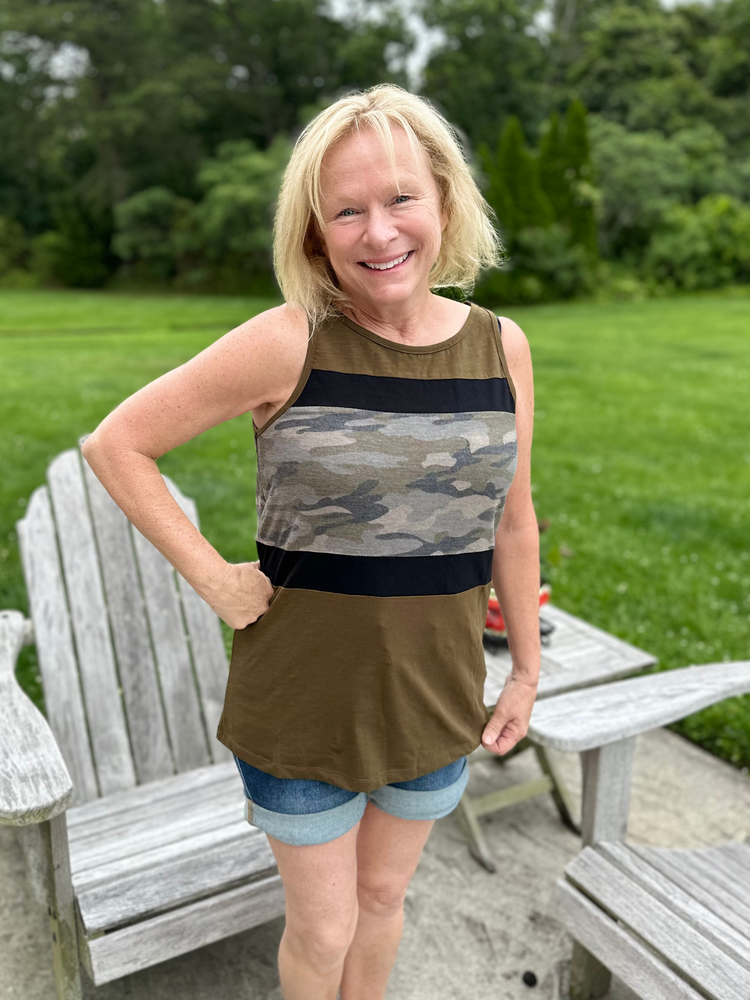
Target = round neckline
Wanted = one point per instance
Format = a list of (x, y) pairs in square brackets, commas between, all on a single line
[(441, 345)]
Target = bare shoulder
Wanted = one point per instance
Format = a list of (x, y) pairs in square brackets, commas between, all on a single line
[(517, 352)]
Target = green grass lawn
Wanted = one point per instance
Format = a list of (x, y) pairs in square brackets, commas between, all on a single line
[(641, 460)]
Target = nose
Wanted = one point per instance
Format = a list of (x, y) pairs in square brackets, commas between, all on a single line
[(380, 230)]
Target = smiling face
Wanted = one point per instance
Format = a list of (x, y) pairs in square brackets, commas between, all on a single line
[(368, 222)]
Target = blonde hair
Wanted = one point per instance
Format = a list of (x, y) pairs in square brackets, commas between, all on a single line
[(469, 240)]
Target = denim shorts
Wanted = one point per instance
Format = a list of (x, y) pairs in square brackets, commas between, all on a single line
[(303, 811)]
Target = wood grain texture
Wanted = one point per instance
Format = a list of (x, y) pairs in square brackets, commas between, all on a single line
[(62, 911), (34, 782), (674, 939), (154, 882), (194, 782), (187, 735), (54, 643), (88, 616), (152, 756), (206, 642), (617, 949), (678, 865), (141, 945), (583, 720), (579, 655), (702, 918), (607, 775)]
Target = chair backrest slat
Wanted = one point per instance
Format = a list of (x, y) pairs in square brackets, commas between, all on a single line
[(88, 615), (130, 632), (54, 643), (206, 643), (133, 662), (184, 722)]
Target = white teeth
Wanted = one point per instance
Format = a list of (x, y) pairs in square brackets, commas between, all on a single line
[(391, 263)]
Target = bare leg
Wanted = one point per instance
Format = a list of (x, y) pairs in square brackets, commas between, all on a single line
[(320, 885), (388, 851)]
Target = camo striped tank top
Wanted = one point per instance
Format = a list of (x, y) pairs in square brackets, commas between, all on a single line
[(380, 487)]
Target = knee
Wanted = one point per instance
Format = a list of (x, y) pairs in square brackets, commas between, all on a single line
[(381, 899), (324, 944)]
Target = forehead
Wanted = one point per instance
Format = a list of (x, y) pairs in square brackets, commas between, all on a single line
[(361, 159)]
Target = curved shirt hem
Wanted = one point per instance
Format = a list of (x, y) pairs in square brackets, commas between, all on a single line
[(316, 773)]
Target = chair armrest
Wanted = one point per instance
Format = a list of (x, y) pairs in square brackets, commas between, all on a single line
[(34, 782), (593, 717)]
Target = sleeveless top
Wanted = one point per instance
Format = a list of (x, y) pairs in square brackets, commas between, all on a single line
[(380, 487)]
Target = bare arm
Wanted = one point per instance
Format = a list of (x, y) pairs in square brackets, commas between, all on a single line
[(515, 564), (250, 365)]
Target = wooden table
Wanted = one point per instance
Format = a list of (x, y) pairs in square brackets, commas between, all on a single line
[(577, 655)]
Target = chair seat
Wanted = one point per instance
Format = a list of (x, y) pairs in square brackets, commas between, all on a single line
[(686, 913), (163, 845)]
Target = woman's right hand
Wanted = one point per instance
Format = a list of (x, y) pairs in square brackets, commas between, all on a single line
[(244, 594)]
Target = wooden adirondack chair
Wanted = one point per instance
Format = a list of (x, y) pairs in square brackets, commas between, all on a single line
[(672, 924), (129, 811)]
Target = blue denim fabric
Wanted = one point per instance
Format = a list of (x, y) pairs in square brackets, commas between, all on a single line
[(303, 811)]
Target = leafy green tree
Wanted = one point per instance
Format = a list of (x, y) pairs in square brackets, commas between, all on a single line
[(155, 88), (235, 217), (147, 226), (491, 64), (701, 246), (636, 68)]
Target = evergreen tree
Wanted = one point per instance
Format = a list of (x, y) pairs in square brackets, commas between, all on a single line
[(552, 166), (577, 163), (514, 191)]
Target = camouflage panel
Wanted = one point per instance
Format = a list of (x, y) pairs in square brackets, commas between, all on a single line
[(342, 480)]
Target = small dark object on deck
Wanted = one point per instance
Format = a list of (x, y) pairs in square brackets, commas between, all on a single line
[(529, 978)]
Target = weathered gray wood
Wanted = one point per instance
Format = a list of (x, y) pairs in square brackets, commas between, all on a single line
[(141, 945), (617, 949), (120, 806), (605, 801), (54, 643), (578, 656), (61, 911), (86, 853), (187, 734), (127, 616), (114, 867), (700, 917), (740, 852), (729, 865), (696, 885), (582, 720), (34, 783), (200, 866), (206, 643), (668, 934), (157, 810), (88, 614)]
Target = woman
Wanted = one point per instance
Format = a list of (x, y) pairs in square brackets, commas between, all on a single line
[(393, 429)]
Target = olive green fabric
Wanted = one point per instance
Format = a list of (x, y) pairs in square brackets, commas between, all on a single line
[(380, 487)]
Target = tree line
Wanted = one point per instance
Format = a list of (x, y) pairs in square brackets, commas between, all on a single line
[(142, 141)]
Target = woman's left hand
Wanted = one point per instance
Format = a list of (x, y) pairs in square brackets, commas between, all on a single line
[(510, 720)]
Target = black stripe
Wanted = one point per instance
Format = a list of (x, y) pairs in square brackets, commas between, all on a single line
[(381, 576), (406, 395)]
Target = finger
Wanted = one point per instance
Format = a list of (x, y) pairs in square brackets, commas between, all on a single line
[(493, 729)]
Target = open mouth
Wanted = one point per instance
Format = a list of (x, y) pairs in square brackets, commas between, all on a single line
[(392, 265)]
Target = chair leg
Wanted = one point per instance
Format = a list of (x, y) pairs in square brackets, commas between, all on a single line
[(478, 845), (61, 911), (559, 790), (589, 979)]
